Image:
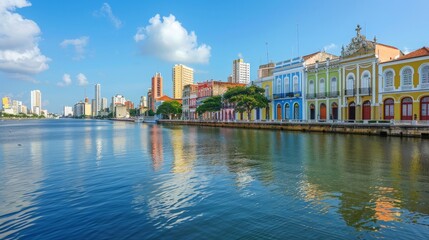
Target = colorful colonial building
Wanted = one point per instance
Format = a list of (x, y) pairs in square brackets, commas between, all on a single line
[(359, 71), (288, 86), (323, 90), (404, 87)]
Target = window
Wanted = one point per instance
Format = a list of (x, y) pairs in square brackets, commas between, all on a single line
[(311, 87), (296, 111), (365, 80), (287, 109), (350, 82), (267, 92), (295, 84), (287, 89), (407, 109), (388, 79), (279, 85), (424, 76), (322, 85), (407, 78), (333, 84), (424, 108)]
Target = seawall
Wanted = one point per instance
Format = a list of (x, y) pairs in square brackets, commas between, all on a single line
[(379, 129)]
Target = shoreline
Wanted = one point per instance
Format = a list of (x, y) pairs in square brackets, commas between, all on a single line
[(374, 129)]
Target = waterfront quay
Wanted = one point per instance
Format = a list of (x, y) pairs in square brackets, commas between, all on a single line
[(381, 128)]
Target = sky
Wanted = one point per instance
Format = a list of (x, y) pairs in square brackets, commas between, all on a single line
[(63, 48)]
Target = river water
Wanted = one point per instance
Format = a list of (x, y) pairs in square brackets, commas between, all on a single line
[(87, 179)]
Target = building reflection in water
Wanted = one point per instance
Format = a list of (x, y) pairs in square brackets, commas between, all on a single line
[(119, 138), (157, 147), (369, 194), (184, 149)]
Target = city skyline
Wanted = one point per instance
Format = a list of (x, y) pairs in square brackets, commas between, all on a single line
[(119, 46)]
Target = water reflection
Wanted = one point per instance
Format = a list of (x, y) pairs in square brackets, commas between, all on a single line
[(156, 138), (20, 180)]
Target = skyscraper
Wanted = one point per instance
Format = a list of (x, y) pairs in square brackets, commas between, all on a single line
[(157, 86), (182, 75), (104, 104), (97, 99), (36, 102), (240, 71)]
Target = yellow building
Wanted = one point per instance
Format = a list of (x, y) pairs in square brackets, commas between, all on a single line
[(5, 102), (182, 75), (359, 70), (404, 87)]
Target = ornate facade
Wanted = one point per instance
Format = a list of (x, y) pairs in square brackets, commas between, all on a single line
[(404, 87)]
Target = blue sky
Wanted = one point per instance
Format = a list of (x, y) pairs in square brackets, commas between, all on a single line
[(64, 47)]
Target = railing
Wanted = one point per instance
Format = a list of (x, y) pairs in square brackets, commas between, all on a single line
[(321, 95), (287, 95), (350, 92), (365, 91), (310, 96), (334, 93)]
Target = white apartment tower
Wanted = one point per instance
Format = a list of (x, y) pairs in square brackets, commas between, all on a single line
[(97, 99), (182, 75), (36, 102), (240, 71)]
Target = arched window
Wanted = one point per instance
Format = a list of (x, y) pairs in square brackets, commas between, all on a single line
[(407, 109), (389, 109), (333, 84), (311, 87), (350, 82), (407, 78), (312, 112), (334, 111), (424, 108), (424, 77), (267, 92), (365, 80), (287, 111), (279, 85), (295, 84), (286, 83), (388, 79), (322, 86), (296, 111)]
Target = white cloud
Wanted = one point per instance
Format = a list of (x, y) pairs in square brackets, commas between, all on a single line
[(330, 47), (106, 11), (79, 45), (20, 55), (82, 80), (170, 41), (66, 81), (406, 50)]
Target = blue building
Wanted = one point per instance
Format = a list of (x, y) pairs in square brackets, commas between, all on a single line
[(289, 84)]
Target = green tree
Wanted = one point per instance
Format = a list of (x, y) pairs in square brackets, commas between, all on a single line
[(133, 112), (246, 99), (150, 112), (169, 108), (211, 104)]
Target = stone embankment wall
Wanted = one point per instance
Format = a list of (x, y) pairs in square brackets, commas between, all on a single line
[(380, 129)]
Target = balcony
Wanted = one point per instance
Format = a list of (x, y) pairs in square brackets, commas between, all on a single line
[(321, 95), (334, 94), (310, 96), (365, 91), (350, 92)]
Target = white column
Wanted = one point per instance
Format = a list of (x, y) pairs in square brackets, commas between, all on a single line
[(357, 84)]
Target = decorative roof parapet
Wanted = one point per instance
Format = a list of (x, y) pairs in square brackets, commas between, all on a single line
[(358, 44)]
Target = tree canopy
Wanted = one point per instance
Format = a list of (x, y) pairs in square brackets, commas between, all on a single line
[(245, 99), (211, 104), (169, 108)]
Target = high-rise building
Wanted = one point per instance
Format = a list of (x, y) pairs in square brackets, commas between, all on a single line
[(104, 104), (94, 107), (97, 97), (182, 75), (240, 71), (157, 85), (36, 102), (150, 101), (68, 111), (6, 102), (143, 102)]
